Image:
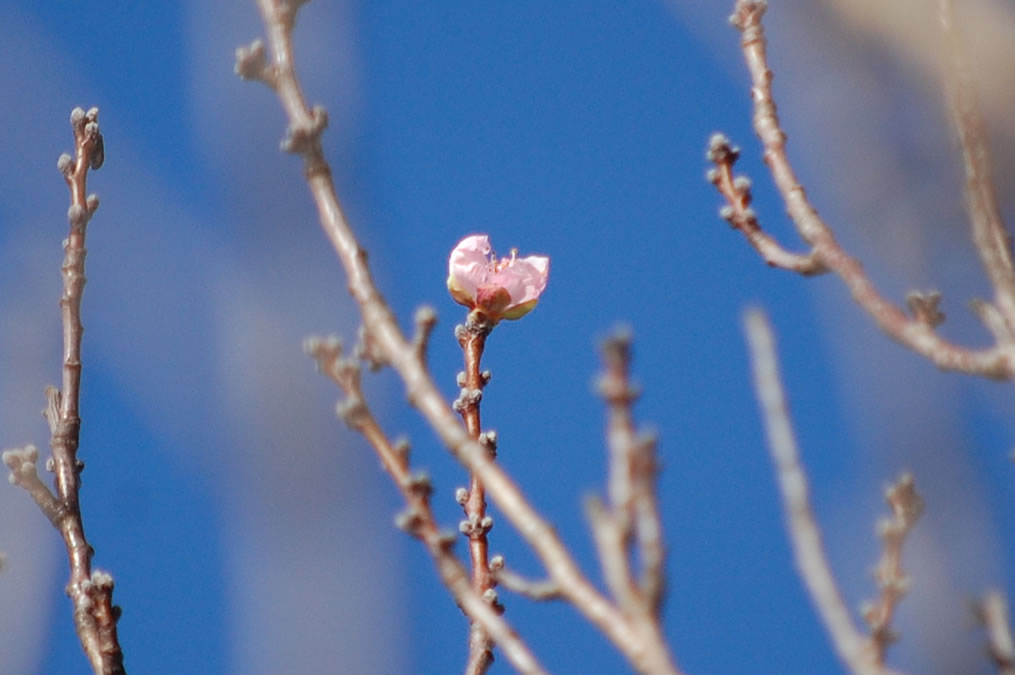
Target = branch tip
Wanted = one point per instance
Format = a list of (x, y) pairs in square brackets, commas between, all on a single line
[(425, 320), (992, 612), (721, 150), (747, 13)]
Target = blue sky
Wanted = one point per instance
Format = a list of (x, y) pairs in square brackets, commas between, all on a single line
[(250, 532)]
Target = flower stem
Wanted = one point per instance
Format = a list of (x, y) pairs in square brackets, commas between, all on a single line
[(472, 338)]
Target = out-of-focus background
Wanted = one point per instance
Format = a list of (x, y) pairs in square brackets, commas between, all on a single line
[(250, 532)]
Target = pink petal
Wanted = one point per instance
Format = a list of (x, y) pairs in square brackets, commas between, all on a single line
[(468, 264), (474, 277), (524, 279)]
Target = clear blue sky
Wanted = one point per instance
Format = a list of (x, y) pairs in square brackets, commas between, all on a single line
[(250, 532)]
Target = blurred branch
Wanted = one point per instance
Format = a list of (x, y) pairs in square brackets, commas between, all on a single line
[(907, 506), (917, 332), (24, 473), (633, 512), (303, 138), (993, 612), (534, 590), (90, 591), (418, 518), (989, 232), (853, 648)]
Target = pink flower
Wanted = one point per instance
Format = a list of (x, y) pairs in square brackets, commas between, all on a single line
[(501, 289)]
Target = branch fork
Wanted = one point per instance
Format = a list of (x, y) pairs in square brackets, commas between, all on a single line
[(990, 235), (642, 642)]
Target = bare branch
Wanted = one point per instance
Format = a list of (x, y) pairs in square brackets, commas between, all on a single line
[(739, 214), (418, 519), (647, 653), (990, 234), (534, 590), (915, 333), (804, 532), (24, 472), (90, 591), (993, 612), (893, 583), (608, 535), (634, 503), (95, 616), (425, 320), (472, 338)]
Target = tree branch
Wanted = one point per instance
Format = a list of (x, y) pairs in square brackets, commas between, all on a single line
[(90, 591), (893, 583), (991, 236), (472, 339), (916, 332), (303, 138), (805, 535), (418, 518), (993, 612), (634, 502)]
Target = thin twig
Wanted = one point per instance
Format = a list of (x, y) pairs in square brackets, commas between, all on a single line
[(476, 526), (804, 532), (893, 583), (993, 611), (634, 503), (989, 232), (647, 653), (913, 332), (23, 463), (611, 547), (544, 589), (90, 591), (418, 518), (741, 216)]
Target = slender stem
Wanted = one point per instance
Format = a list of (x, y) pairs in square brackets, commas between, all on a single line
[(472, 338), (805, 535), (633, 514), (893, 582), (95, 616), (826, 253), (993, 611), (90, 591), (418, 519), (989, 232)]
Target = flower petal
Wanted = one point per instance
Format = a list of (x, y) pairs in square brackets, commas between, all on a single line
[(508, 288), (468, 265)]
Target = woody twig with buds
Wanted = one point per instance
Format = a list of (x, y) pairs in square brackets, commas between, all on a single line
[(90, 591), (916, 330), (492, 289), (385, 343)]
